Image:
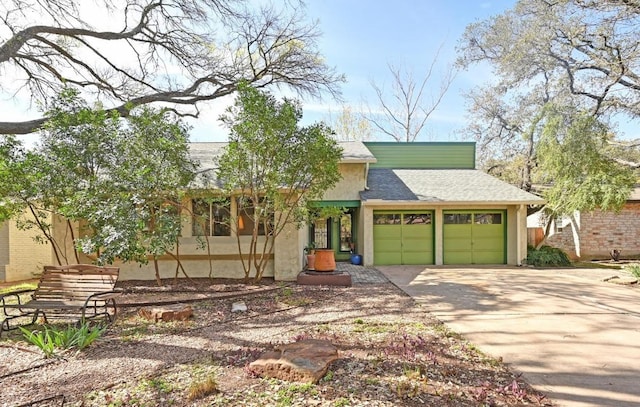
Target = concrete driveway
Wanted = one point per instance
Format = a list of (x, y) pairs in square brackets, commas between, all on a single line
[(574, 337)]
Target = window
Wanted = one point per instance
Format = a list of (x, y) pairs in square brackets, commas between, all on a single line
[(346, 230), (247, 215), (488, 218), (417, 218), (386, 218), (210, 217), (457, 218)]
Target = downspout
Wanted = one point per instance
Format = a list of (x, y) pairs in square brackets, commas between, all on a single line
[(519, 254), (366, 176)]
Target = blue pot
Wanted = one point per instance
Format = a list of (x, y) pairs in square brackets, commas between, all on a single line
[(356, 259)]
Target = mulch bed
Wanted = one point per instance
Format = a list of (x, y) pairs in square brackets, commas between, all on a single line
[(392, 353)]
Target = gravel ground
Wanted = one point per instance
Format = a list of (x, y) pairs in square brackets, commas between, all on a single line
[(391, 353)]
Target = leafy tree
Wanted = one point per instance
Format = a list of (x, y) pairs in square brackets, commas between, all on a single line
[(578, 53), (178, 53), (120, 180), (273, 167), (577, 169), (563, 71)]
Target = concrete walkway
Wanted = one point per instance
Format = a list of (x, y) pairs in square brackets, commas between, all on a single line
[(575, 337)]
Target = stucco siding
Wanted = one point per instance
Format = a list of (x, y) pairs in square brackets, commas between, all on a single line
[(349, 187)]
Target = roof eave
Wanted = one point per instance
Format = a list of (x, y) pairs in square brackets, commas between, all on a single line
[(383, 202)]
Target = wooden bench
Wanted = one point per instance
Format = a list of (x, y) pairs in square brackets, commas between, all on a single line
[(76, 292)]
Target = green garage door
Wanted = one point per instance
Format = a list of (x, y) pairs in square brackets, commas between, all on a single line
[(476, 237), (402, 237)]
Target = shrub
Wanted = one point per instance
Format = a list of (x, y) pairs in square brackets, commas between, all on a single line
[(547, 256), (51, 338), (634, 269)]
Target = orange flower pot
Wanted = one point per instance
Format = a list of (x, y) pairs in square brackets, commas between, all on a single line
[(325, 260)]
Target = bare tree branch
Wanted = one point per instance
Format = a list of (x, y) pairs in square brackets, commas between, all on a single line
[(180, 53), (405, 112)]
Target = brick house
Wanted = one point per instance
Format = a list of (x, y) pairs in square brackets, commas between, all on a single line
[(600, 232)]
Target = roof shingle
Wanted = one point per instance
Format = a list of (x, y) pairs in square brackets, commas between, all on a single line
[(451, 186)]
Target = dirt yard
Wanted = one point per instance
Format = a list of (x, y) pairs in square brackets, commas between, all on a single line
[(391, 353)]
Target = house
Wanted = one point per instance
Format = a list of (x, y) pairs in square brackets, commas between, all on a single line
[(403, 203), (21, 257), (598, 232)]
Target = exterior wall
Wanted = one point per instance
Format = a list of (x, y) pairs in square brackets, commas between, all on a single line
[(22, 257), (563, 240), (288, 254), (425, 155), (516, 241), (225, 261), (601, 232), (349, 187), (223, 253), (4, 250)]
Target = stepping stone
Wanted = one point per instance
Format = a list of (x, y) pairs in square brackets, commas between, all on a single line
[(239, 307), (165, 313), (306, 361)]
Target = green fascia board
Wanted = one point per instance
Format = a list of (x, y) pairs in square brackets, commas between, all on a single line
[(423, 155), (338, 204)]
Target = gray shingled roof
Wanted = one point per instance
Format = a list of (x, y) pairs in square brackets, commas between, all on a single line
[(206, 154), (450, 186), (355, 152)]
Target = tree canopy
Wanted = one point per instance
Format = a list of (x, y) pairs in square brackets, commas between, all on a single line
[(119, 181), (273, 167), (579, 55), (173, 52)]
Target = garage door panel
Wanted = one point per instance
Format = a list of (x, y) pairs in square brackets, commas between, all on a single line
[(387, 258), (407, 242), (463, 257), (481, 231), (387, 245), (473, 238), (489, 257), (417, 258), (488, 244), (458, 244), (457, 231)]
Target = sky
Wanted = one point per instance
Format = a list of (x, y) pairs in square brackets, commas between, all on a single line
[(360, 38)]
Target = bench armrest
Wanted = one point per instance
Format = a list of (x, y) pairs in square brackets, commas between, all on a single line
[(14, 294), (105, 295)]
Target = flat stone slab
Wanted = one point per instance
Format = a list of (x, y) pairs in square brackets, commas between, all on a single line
[(306, 361), (165, 313)]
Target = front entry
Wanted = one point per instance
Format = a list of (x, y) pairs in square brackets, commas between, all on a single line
[(337, 233)]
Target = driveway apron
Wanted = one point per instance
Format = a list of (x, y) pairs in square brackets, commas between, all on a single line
[(575, 338)]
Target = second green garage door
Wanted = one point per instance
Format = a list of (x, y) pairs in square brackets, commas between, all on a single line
[(402, 237), (476, 237)]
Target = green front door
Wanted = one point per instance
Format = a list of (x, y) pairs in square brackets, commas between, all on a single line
[(402, 237), (336, 233), (474, 237)]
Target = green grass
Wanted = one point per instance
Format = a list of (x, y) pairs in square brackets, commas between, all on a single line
[(634, 269), (592, 265), (18, 287)]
